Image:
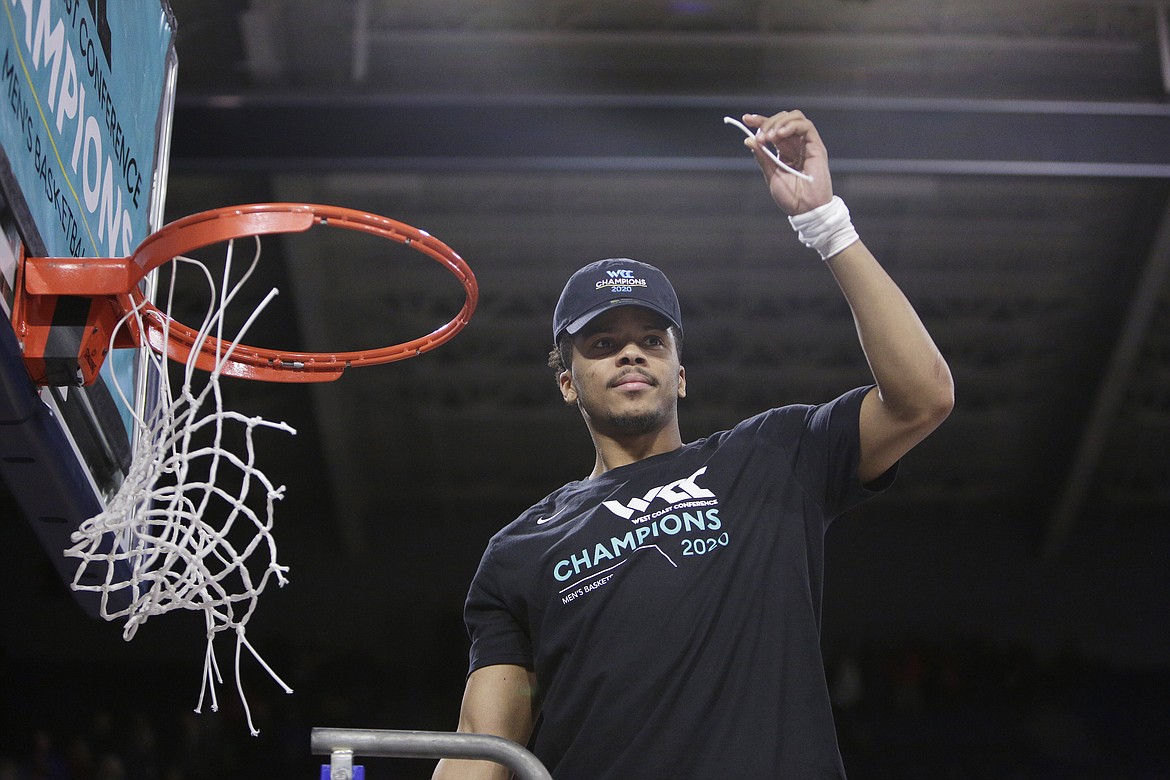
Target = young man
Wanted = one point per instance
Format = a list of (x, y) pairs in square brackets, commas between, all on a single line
[(661, 617)]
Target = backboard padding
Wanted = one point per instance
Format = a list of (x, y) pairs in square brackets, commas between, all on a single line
[(84, 145)]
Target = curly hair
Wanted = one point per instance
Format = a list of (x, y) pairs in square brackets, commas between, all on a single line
[(561, 356)]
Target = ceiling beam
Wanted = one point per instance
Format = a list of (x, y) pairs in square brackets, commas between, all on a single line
[(884, 135), (1111, 394), (1162, 33), (420, 42)]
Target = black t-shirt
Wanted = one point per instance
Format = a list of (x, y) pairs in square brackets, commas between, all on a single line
[(671, 608)]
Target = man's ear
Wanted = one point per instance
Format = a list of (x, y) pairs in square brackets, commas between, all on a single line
[(682, 382), (568, 391)]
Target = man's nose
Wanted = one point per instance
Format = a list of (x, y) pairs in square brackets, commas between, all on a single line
[(631, 353)]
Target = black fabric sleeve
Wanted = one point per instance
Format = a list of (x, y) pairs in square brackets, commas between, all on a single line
[(833, 434), (497, 636)]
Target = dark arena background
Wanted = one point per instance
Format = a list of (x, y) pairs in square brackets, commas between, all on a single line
[(1002, 612)]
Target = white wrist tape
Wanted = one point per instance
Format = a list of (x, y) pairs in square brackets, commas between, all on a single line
[(826, 228)]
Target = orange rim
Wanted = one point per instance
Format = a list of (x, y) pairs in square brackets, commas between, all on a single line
[(120, 277)]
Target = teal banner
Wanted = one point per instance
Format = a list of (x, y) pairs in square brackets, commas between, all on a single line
[(84, 118)]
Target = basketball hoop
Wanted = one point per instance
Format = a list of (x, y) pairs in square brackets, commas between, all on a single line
[(113, 284), (176, 536)]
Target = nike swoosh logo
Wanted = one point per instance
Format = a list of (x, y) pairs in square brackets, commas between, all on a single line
[(543, 520)]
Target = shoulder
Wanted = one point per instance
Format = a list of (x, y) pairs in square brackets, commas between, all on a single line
[(787, 428), (533, 518), (797, 416)]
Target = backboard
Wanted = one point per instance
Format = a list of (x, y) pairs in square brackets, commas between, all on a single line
[(85, 122)]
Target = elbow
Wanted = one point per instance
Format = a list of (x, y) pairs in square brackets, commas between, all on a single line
[(941, 401), (940, 411), (928, 415), (927, 407)]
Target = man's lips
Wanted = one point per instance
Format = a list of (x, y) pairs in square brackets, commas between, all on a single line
[(633, 380)]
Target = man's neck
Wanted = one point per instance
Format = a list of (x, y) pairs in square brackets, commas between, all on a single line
[(616, 451)]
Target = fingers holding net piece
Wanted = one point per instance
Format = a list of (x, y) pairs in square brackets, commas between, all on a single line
[(768, 152)]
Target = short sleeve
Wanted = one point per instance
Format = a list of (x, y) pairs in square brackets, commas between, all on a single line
[(497, 635), (831, 452)]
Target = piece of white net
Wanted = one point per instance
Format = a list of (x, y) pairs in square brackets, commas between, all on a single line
[(191, 526)]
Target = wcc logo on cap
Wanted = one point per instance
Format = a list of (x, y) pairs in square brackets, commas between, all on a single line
[(615, 282), (621, 278)]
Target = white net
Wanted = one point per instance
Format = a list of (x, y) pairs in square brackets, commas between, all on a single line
[(191, 526)]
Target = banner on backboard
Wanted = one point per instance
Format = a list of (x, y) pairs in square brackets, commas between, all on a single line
[(84, 119)]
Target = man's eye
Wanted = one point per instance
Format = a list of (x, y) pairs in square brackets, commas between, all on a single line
[(603, 343), (655, 341)]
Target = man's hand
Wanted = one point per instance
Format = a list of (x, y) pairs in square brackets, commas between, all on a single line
[(797, 144)]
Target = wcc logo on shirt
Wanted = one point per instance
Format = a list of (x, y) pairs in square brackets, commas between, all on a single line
[(673, 493), (677, 520)]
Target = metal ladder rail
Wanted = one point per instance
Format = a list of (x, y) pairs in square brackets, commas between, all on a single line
[(343, 744)]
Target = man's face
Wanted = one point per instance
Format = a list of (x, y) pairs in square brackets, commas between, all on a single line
[(625, 374)]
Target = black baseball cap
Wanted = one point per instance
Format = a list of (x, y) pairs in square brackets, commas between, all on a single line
[(619, 281)]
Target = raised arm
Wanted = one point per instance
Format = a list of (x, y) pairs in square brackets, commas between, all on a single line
[(915, 391), (499, 700)]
